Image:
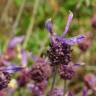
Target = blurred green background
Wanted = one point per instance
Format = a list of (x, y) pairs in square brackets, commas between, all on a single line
[(27, 17), (39, 11)]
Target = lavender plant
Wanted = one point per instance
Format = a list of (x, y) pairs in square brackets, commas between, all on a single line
[(60, 52)]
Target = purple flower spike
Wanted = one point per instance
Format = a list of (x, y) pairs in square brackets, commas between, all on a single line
[(24, 58), (15, 41), (74, 40), (60, 51), (68, 23), (11, 69), (84, 92)]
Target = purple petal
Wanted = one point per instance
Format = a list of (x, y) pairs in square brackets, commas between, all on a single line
[(36, 59), (68, 24), (49, 25), (33, 57), (84, 92), (15, 41), (11, 69), (74, 40), (53, 41), (75, 66), (23, 58)]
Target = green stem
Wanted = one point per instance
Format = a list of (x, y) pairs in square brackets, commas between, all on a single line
[(18, 17), (30, 27), (54, 77), (65, 87), (43, 47)]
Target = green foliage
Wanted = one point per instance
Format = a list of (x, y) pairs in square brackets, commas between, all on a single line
[(18, 2)]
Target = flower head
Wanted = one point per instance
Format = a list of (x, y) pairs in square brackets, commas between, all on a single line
[(40, 71), (66, 72), (60, 54), (60, 49), (5, 72), (4, 80), (86, 42)]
